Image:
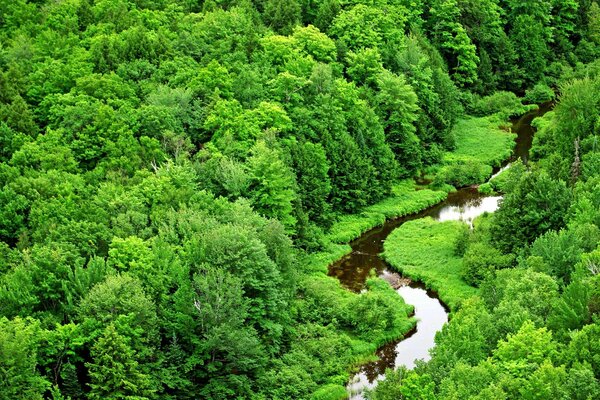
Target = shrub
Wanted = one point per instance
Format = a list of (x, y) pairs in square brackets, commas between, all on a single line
[(540, 93), (463, 173), (486, 188), (505, 103)]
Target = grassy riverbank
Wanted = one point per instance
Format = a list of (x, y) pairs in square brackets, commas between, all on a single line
[(424, 250), (405, 200), (480, 145), (480, 139), (357, 324)]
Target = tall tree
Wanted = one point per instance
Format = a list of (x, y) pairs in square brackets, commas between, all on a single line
[(114, 371), (451, 38)]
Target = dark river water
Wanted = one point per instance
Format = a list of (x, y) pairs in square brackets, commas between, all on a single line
[(431, 314)]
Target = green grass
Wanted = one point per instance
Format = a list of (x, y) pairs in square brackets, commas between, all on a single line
[(405, 200), (424, 250), (480, 146), (480, 140)]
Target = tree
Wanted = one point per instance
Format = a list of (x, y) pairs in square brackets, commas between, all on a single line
[(564, 22), (594, 23), (227, 342), (272, 185), (239, 250), (114, 371), (120, 301), (561, 251), (282, 15), (451, 38), (398, 106), (530, 33), (584, 348), (535, 206), (481, 260), (404, 384), (523, 352), (547, 382), (19, 343), (314, 186)]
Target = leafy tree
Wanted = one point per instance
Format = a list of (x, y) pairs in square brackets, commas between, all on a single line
[(481, 260), (114, 372), (120, 301), (272, 185), (398, 106), (19, 347), (311, 166), (228, 343), (282, 15), (534, 207), (451, 38), (404, 384), (583, 348)]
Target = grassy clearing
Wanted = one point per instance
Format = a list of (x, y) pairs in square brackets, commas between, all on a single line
[(424, 250), (480, 140), (480, 146), (405, 200)]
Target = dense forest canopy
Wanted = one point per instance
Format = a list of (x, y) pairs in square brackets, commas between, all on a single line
[(170, 171)]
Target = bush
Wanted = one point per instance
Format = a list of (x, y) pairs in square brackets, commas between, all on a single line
[(481, 260), (507, 104), (463, 173), (486, 188), (461, 242), (540, 93), (330, 392)]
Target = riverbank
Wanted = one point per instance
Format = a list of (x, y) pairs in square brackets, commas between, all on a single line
[(363, 320), (423, 250), (481, 145), (404, 200)]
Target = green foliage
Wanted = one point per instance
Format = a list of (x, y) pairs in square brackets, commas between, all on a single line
[(271, 185), (18, 358), (535, 206), (506, 180), (398, 105), (504, 104), (452, 39), (113, 371), (405, 201), (540, 93), (480, 145), (423, 250), (481, 260), (164, 167), (404, 384), (330, 392)]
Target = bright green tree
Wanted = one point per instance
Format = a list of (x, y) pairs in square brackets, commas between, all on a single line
[(114, 371)]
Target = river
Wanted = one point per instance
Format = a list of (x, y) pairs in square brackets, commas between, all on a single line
[(431, 314)]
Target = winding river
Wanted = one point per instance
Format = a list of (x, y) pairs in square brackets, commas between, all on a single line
[(431, 314)]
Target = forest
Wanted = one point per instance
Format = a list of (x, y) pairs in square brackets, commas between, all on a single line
[(177, 177)]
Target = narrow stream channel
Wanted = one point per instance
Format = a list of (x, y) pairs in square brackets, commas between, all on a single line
[(464, 205)]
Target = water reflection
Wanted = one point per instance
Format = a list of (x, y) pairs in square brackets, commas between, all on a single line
[(469, 211)]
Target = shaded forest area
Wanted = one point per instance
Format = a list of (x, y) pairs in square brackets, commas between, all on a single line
[(171, 172)]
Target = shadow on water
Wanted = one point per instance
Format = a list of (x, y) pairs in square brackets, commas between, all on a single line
[(431, 314)]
